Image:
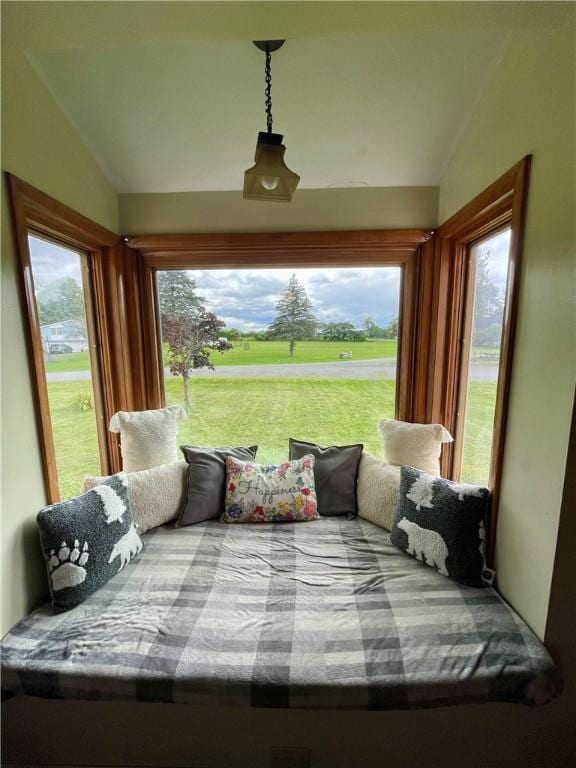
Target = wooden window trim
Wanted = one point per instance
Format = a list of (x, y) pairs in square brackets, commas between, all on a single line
[(307, 249), (34, 211), (432, 301), (503, 203)]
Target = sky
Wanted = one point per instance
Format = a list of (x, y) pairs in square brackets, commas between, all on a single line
[(52, 262), (496, 248), (246, 298)]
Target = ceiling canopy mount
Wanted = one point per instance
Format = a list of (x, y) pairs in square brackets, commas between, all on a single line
[(269, 46)]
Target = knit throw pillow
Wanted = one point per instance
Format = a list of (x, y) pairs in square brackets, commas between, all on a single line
[(147, 438), (415, 445), (156, 494), (270, 493), (378, 487), (87, 540), (442, 523)]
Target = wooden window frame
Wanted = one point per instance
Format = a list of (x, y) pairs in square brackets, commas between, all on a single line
[(34, 212), (402, 248), (502, 204), (432, 305)]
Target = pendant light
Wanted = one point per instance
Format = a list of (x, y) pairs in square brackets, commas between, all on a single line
[(269, 178)]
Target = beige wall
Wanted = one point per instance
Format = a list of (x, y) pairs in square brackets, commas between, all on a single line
[(529, 108), (310, 209), (40, 146)]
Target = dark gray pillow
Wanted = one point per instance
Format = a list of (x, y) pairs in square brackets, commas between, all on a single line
[(335, 475), (206, 486), (87, 540), (442, 523)]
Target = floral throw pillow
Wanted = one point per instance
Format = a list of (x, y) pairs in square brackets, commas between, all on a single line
[(270, 493)]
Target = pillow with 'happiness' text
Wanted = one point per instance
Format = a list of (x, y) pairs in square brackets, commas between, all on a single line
[(270, 493)]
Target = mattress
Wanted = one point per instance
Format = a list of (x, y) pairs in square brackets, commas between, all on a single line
[(324, 614)]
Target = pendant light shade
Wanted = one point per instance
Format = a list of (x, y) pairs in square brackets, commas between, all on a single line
[(270, 178)]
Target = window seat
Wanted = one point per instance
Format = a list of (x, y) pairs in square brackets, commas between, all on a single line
[(324, 615)]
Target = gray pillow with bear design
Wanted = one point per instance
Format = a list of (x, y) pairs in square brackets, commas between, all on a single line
[(442, 523), (87, 540)]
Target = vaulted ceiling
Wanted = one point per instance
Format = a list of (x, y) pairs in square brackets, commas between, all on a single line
[(169, 96)]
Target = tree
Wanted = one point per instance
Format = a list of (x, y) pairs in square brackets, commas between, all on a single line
[(391, 330), (177, 293), (190, 340), (488, 299), (337, 331), (294, 318), (65, 302), (342, 332), (189, 330), (421, 492), (490, 336), (373, 331), (231, 333)]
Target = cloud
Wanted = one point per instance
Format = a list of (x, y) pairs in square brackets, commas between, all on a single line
[(497, 248), (51, 262), (247, 298)]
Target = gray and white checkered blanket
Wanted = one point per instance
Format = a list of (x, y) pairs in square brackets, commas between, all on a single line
[(316, 615)]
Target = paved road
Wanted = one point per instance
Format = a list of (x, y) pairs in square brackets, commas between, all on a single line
[(381, 368)]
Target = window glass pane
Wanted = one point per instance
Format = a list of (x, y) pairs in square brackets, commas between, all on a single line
[(60, 300), (305, 353), (489, 271)]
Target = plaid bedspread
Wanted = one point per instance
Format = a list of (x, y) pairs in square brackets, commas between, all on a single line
[(311, 615)]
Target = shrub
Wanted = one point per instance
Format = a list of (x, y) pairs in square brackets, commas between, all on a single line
[(488, 337), (85, 401)]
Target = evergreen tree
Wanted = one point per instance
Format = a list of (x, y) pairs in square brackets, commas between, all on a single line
[(177, 293), (421, 492), (294, 318), (488, 300)]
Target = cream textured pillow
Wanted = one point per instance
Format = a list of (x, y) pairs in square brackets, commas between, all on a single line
[(414, 445), (147, 438), (156, 495), (377, 491)]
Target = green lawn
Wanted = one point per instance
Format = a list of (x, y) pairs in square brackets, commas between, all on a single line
[(478, 430), (274, 353), (265, 412), (75, 437), (264, 353), (77, 361)]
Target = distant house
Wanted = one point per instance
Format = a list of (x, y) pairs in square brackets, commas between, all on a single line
[(64, 337)]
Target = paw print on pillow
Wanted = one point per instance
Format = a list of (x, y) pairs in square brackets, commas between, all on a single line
[(67, 567)]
